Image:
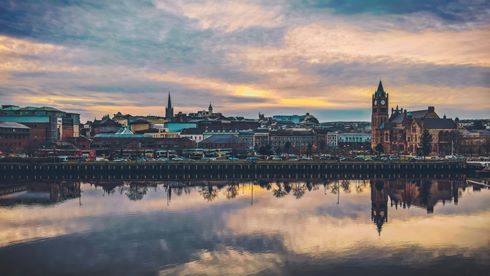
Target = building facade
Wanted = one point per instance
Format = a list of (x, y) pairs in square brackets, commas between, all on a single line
[(400, 132), (48, 125), (14, 137)]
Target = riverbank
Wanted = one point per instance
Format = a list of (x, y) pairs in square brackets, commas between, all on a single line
[(220, 169)]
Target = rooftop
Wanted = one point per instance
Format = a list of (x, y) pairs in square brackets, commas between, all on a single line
[(25, 119), (29, 108), (222, 139), (191, 131), (13, 125), (437, 123)]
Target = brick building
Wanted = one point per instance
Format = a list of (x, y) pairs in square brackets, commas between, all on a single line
[(14, 137), (48, 125), (400, 132)]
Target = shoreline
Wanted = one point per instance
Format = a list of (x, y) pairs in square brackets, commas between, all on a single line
[(184, 170)]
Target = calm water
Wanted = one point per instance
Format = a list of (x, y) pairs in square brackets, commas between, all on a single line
[(382, 227)]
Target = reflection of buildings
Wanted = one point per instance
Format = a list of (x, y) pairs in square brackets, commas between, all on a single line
[(423, 193), (379, 204), (39, 193), (405, 193)]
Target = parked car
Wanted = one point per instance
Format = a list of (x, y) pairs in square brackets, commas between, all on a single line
[(178, 159)]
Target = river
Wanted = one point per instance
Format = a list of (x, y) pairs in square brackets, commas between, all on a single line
[(265, 227)]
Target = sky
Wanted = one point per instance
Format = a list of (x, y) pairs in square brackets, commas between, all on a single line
[(325, 57)]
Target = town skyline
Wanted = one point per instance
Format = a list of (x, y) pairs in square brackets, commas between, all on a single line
[(175, 110), (272, 57)]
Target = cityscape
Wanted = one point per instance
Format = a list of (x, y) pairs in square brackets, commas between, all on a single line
[(215, 137), (210, 135)]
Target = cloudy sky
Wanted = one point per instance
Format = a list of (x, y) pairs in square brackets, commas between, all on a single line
[(271, 56)]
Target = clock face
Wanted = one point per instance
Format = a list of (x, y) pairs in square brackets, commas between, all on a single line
[(383, 102)]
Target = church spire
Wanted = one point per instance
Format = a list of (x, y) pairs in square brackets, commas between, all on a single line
[(169, 110), (169, 104), (380, 92)]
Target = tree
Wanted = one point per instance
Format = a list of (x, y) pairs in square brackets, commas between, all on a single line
[(136, 192), (425, 143), (209, 192), (279, 191), (266, 150), (298, 190), (379, 149), (231, 191), (278, 150)]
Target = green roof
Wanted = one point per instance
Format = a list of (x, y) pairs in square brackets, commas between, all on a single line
[(29, 108), (25, 119)]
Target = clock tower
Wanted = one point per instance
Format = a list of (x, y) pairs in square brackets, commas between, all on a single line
[(379, 115)]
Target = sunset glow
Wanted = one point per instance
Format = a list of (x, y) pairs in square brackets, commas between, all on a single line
[(278, 56)]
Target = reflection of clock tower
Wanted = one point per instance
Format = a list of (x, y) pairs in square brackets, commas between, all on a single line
[(379, 204), (379, 114)]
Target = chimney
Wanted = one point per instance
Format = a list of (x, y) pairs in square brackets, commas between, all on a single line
[(431, 109)]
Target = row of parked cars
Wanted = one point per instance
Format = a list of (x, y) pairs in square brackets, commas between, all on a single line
[(283, 157)]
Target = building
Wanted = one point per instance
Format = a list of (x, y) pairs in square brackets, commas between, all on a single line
[(261, 137), (48, 125), (293, 140), (194, 134), (226, 126), (379, 204), (14, 137), (177, 144), (247, 138), (400, 132), (474, 142), (223, 142), (359, 141), (105, 125), (443, 132), (379, 114), (332, 140), (303, 120), (179, 126), (169, 111), (122, 119), (139, 125)]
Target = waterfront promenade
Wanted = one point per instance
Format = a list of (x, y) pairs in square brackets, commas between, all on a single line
[(180, 170)]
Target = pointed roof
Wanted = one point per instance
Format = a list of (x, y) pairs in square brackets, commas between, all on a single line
[(124, 131), (169, 103), (380, 92), (210, 106)]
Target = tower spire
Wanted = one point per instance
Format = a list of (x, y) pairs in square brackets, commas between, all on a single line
[(169, 110), (380, 91)]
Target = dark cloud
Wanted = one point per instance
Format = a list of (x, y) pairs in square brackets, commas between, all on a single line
[(402, 73), (450, 10), (108, 46)]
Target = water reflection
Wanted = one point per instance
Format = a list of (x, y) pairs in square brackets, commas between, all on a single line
[(245, 227)]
